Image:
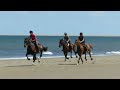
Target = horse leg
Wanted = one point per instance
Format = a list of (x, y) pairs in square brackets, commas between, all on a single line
[(27, 56), (71, 54), (70, 49), (90, 55), (65, 53), (34, 57), (66, 56), (75, 51), (89, 47), (40, 56), (78, 61), (76, 54), (81, 58), (85, 57)]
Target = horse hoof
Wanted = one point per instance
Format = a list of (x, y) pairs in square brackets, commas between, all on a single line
[(38, 61), (67, 58), (28, 59), (71, 57)]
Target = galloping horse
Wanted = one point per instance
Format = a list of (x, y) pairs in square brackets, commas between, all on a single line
[(87, 48), (32, 50), (66, 48)]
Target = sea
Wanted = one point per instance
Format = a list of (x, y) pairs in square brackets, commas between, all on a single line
[(12, 47)]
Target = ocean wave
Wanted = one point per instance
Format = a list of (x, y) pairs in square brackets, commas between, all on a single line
[(58, 56), (48, 52), (29, 57), (114, 52)]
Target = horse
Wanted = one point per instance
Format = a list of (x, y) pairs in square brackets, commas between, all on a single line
[(66, 48), (83, 49), (32, 50)]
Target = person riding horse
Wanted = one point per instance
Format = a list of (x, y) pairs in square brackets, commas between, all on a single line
[(34, 40), (82, 40), (67, 39)]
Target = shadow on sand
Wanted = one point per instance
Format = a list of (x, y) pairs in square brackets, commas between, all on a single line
[(67, 64), (20, 65)]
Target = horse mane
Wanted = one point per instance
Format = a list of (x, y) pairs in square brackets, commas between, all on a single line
[(77, 41)]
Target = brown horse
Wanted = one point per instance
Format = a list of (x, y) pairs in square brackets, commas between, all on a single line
[(66, 48), (32, 50), (83, 49)]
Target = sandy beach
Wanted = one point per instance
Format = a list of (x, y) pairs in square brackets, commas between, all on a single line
[(105, 67)]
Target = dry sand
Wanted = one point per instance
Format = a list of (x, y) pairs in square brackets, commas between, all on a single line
[(105, 67)]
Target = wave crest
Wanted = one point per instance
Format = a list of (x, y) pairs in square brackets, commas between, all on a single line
[(114, 52), (48, 52)]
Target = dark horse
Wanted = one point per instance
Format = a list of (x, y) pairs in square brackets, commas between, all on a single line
[(83, 49), (32, 50), (66, 48)]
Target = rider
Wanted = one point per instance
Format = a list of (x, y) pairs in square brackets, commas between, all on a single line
[(81, 38), (34, 40), (67, 39)]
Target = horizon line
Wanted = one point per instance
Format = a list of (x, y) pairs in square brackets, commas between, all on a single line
[(62, 35)]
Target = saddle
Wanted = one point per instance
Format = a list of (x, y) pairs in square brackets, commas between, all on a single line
[(36, 46)]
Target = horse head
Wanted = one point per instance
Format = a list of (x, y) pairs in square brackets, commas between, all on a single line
[(61, 42), (26, 42), (77, 42)]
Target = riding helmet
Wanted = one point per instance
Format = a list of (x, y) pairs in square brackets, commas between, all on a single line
[(65, 33), (31, 31)]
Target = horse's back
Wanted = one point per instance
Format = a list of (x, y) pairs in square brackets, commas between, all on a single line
[(89, 47), (40, 46)]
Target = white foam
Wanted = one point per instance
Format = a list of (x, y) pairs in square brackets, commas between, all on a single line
[(12, 58), (48, 52), (114, 52), (29, 57)]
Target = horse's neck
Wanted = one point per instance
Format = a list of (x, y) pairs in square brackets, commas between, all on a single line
[(64, 45), (79, 45)]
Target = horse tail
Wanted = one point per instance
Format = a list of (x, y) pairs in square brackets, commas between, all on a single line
[(91, 46), (45, 48)]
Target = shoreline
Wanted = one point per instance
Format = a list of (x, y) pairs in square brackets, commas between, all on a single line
[(52, 57)]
